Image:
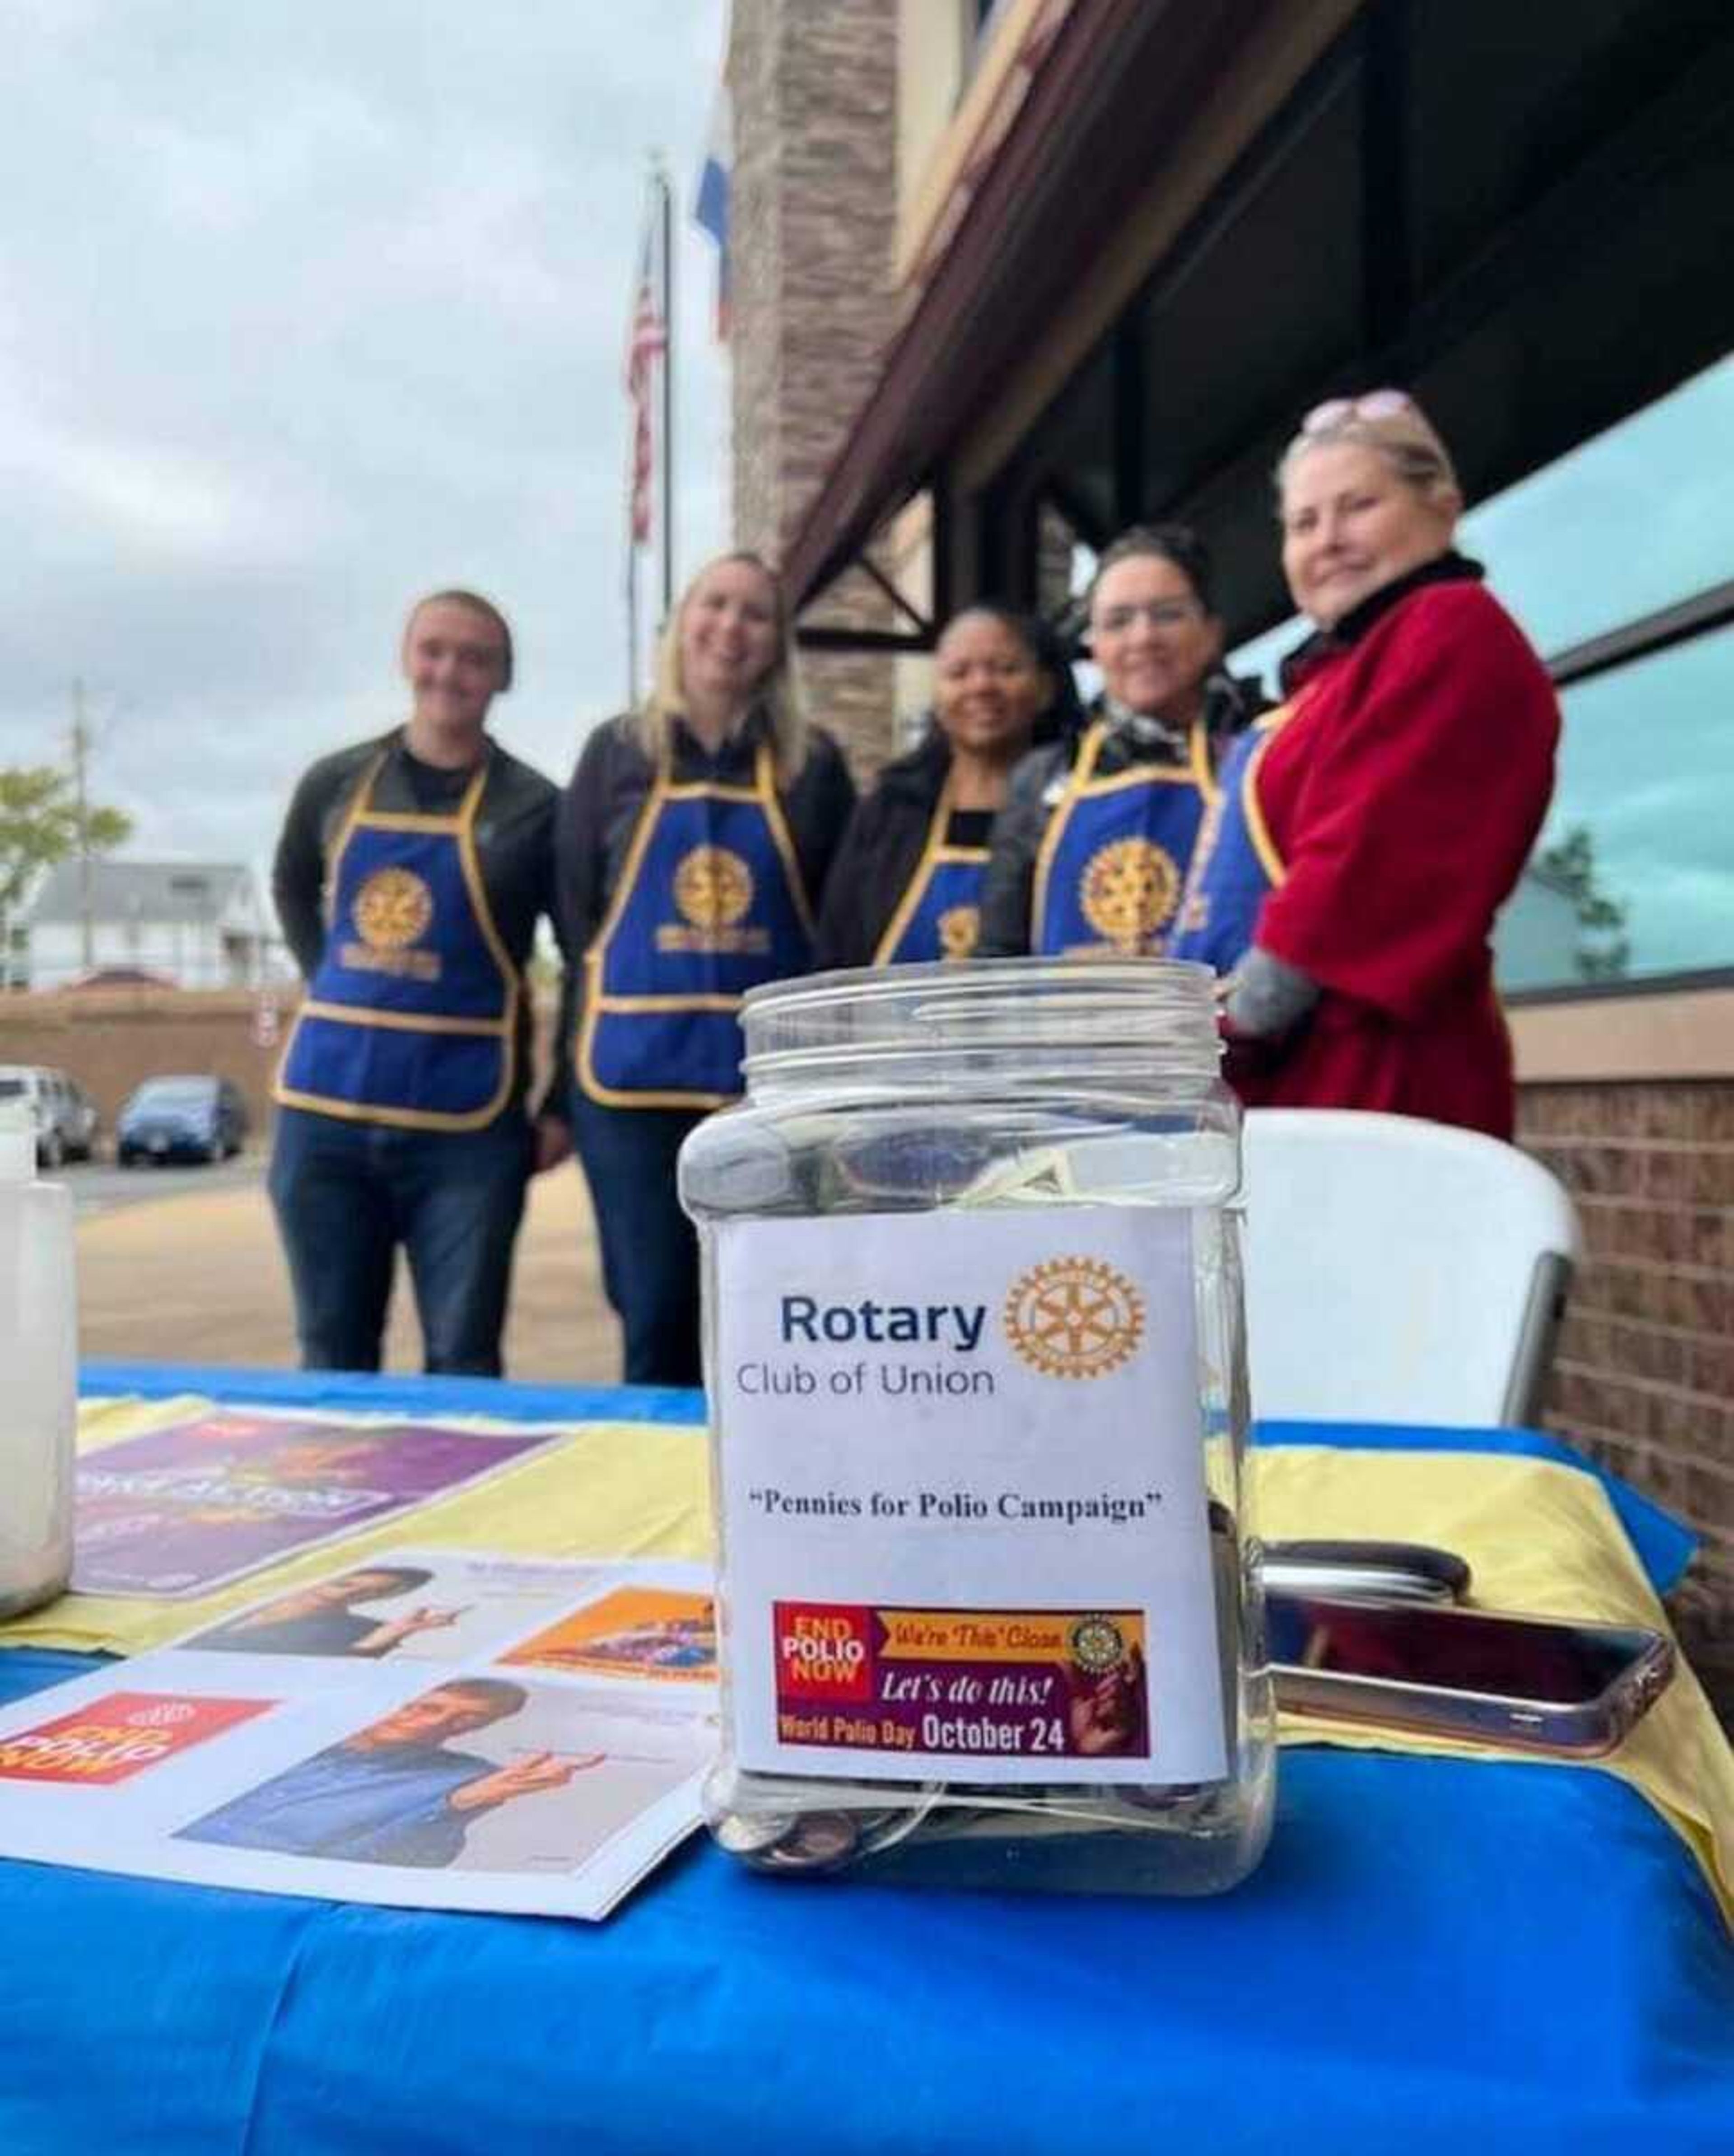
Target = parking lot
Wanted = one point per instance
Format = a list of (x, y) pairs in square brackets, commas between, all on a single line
[(181, 1265), (98, 1186)]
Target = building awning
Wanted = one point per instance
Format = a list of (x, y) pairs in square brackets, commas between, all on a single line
[(1115, 79)]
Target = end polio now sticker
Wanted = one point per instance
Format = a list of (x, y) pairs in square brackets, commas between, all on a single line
[(961, 1491), (118, 1736), (1009, 1684)]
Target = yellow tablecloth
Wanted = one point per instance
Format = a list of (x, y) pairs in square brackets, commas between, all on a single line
[(1541, 1538)]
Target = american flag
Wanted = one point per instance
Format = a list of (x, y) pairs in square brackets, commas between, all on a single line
[(644, 346)]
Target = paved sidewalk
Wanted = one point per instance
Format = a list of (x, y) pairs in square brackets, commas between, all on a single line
[(199, 1278)]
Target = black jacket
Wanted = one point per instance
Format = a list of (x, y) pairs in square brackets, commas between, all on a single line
[(1009, 885), (881, 851)]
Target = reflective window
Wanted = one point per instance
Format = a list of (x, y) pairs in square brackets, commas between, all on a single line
[(1634, 876), (1632, 522)]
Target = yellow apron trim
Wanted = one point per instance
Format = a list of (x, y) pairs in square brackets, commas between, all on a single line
[(696, 789), (1083, 783), (461, 824), (1079, 777), (763, 790), (399, 1021), (668, 1002), (1257, 830), (1198, 748), (1541, 1538), (934, 852)]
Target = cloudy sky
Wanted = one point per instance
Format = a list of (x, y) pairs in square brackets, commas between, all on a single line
[(307, 307)]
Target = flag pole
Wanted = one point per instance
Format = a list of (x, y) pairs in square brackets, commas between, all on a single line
[(632, 616), (667, 389)]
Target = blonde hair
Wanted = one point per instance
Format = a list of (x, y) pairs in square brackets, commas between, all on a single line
[(778, 695), (1407, 439)]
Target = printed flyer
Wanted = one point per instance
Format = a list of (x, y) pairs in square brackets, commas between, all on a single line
[(429, 1729), (963, 1501), (176, 1513)]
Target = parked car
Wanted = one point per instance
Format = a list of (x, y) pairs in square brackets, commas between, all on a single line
[(65, 1114), (181, 1119)]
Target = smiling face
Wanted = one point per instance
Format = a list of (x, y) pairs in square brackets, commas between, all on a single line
[(989, 689), (1151, 637), (729, 633), (454, 660), (1351, 525)]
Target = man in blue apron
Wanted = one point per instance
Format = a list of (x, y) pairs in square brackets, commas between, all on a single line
[(410, 876)]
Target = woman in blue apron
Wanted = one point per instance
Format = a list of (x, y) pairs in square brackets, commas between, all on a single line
[(907, 883), (410, 874), (1090, 853), (694, 845)]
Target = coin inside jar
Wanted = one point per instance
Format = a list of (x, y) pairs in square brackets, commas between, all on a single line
[(818, 1841), (746, 1833)]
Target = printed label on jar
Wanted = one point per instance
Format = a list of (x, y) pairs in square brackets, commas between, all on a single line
[(962, 1494)]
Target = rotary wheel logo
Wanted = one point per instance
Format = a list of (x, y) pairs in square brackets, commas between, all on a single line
[(1097, 1644), (1130, 887), (392, 909), (713, 887), (959, 925), (1073, 1317)]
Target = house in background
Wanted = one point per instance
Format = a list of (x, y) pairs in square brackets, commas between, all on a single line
[(194, 924)]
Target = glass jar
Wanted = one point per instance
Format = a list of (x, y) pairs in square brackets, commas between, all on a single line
[(973, 1343)]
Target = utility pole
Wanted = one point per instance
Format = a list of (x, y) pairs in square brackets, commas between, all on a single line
[(80, 747)]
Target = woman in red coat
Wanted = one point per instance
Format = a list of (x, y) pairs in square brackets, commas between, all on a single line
[(1368, 830)]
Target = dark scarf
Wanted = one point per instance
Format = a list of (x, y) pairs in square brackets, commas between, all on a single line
[(1449, 568)]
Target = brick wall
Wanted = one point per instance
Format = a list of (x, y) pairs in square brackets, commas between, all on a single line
[(811, 208), (110, 1040), (1644, 1377)]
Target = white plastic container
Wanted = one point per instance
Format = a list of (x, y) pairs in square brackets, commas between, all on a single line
[(39, 1374)]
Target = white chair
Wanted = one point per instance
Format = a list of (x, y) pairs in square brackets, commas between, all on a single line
[(1399, 1271)]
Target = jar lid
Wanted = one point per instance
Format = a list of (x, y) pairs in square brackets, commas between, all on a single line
[(1150, 1017)]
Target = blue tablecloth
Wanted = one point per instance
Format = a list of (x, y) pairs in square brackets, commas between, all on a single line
[(1502, 1957)]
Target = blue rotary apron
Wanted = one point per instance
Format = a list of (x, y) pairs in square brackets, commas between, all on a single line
[(709, 903), (1114, 856), (411, 1017), (1236, 863), (939, 915)]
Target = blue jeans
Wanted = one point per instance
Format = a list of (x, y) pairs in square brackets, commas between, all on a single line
[(650, 1253), (346, 1195)]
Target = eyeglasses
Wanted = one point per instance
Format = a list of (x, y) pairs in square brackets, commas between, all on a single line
[(1376, 404), (1160, 614)]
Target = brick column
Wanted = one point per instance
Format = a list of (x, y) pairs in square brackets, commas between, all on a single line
[(813, 210)]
